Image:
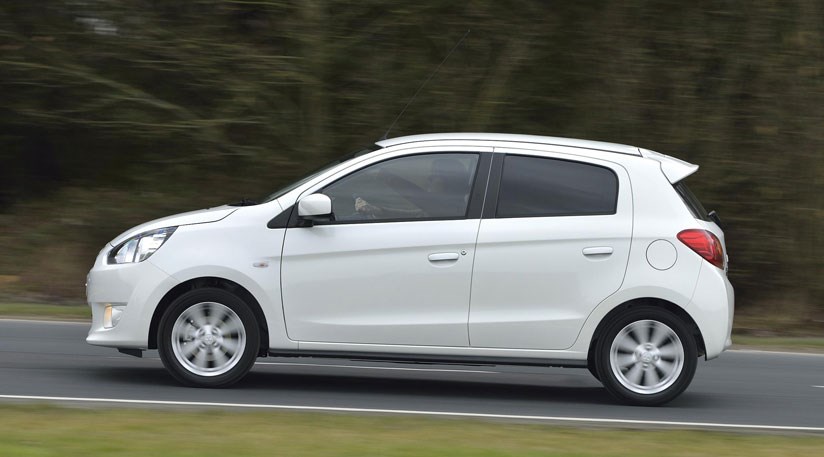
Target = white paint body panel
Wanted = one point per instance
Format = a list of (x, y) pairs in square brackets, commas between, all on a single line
[(372, 287), (374, 283)]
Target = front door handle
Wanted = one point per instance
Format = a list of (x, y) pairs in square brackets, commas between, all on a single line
[(598, 250), (443, 256)]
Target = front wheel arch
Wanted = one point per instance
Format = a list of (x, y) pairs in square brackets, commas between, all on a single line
[(219, 283)]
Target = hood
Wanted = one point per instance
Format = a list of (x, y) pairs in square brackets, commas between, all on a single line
[(201, 216)]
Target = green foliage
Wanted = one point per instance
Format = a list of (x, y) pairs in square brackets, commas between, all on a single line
[(115, 111)]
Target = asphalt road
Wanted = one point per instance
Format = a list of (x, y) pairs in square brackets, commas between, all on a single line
[(42, 361)]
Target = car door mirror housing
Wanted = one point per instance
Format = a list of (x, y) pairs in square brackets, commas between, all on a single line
[(315, 207)]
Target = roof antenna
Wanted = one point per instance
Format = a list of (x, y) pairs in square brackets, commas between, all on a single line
[(386, 135)]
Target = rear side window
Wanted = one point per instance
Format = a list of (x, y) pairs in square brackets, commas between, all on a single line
[(696, 208), (537, 186)]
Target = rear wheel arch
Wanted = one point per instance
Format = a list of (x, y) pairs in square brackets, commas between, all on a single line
[(653, 302), (215, 282)]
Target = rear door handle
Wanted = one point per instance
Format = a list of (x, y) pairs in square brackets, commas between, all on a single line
[(443, 256), (598, 250)]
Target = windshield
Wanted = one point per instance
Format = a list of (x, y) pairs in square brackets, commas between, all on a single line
[(284, 190)]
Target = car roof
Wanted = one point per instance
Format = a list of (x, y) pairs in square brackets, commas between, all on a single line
[(513, 138)]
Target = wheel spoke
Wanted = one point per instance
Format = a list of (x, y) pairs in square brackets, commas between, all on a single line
[(197, 318), (229, 345), (220, 358), (670, 352), (230, 327), (646, 329), (189, 349), (636, 335), (216, 316), (665, 367), (200, 360), (651, 377), (635, 373), (625, 360), (659, 335), (627, 345)]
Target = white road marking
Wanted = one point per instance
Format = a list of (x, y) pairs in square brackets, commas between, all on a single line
[(585, 420), (820, 387), (758, 351), (441, 370)]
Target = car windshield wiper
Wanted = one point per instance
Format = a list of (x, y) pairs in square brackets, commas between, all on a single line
[(244, 202)]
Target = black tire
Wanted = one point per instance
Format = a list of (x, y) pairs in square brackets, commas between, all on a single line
[(592, 369), (223, 349), (628, 348)]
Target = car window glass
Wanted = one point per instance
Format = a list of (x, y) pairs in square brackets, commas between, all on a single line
[(427, 186), (537, 186)]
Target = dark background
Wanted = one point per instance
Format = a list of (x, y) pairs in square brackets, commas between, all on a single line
[(116, 112)]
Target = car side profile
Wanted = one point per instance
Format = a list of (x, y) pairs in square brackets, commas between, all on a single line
[(452, 248)]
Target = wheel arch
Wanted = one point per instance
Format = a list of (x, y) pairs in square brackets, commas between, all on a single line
[(678, 311), (217, 282)]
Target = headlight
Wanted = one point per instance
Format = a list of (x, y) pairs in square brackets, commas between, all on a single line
[(140, 247)]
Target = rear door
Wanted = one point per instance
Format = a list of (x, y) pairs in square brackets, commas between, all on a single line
[(553, 243)]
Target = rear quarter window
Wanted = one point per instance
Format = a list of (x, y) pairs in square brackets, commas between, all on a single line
[(538, 186)]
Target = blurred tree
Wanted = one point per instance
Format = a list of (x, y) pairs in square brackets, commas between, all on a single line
[(113, 112)]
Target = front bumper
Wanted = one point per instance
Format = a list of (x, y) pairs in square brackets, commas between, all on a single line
[(137, 287)]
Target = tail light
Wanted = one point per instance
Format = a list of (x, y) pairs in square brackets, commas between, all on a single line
[(705, 244)]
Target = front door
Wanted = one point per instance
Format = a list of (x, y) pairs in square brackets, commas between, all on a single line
[(395, 265)]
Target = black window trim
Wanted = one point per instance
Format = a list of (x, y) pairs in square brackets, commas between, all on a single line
[(494, 188), (692, 202), (474, 207)]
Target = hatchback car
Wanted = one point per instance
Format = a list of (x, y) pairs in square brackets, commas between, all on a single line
[(452, 248)]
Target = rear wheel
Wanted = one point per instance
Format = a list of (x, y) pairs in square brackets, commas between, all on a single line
[(646, 357), (208, 338)]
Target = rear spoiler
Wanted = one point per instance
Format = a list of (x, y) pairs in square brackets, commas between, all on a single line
[(674, 169)]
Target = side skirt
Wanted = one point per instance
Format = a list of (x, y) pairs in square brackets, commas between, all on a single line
[(431, 359)]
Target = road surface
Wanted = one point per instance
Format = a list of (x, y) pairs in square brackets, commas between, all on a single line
[(50, 361)]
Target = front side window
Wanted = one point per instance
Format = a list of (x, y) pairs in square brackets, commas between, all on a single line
[(537, 186), (426, 186)]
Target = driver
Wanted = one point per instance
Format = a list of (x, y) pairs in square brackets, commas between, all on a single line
[(445, 194)]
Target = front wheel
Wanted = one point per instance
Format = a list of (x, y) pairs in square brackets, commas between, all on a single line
[(208, 338), (646, 357)]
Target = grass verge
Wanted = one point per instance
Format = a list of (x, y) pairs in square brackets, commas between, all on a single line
[(27, 430), (778, 343), (44, 311)]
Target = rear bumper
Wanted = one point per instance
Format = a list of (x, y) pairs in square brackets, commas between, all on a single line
[(712, 307)]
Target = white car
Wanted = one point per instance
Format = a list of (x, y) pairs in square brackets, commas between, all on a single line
[(453, 248)]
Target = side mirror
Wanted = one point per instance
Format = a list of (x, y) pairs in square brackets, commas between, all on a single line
[(315, 207)]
